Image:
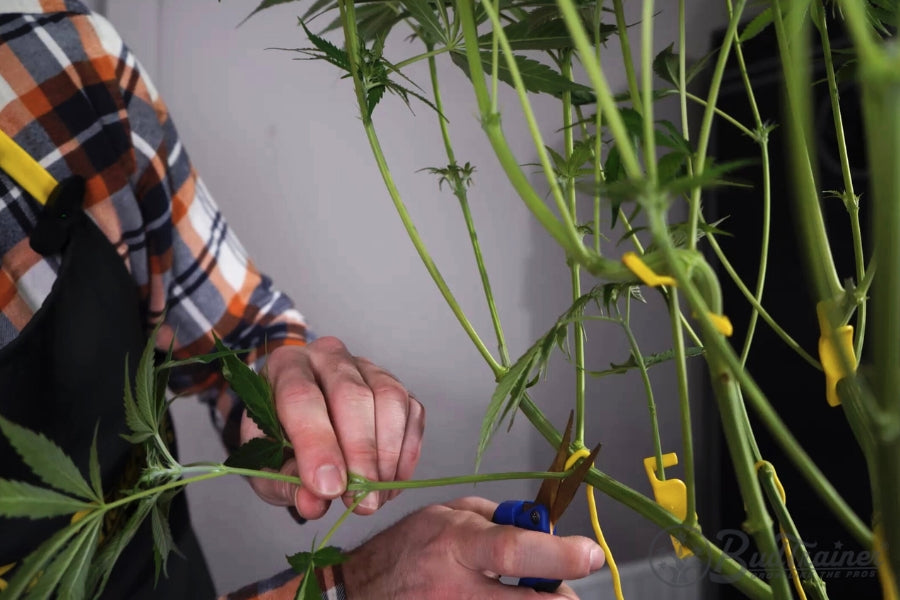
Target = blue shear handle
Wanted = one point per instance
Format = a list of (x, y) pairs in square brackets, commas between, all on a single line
[(527, 515)]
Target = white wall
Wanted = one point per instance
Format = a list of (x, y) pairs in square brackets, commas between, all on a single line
[(280, 145)]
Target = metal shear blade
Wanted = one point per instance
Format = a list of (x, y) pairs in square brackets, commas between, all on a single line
[(557, 494)]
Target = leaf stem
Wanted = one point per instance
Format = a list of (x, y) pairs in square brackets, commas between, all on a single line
[(459, 190), (605, 99), (574, 267), (647, 89), (707, 121), (687, 436), (490, 122), (350, 34), (818, 253), (648, 387), (627, 60), (850, 199), (567, 219)]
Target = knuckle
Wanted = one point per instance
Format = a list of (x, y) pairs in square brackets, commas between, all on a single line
[(505, 551), (296, 391), (352, 392), (329, 344), (390, 390)]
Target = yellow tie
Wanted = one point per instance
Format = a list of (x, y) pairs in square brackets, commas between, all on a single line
[(24, 170)]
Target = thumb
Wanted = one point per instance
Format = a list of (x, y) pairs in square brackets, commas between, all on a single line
[(273, 491)]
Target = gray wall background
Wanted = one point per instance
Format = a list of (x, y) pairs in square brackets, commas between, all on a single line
[(280, 146)]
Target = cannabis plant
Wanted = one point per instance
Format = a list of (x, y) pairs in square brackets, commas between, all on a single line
[(621, 173)]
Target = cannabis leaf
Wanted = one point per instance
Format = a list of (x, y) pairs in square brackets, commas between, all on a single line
[(20, 499), (47, 460), (258, 453), (537, 77), (665, 65), (457, 176), (254, 390), (262, 6), (305, 563), (649, 361)]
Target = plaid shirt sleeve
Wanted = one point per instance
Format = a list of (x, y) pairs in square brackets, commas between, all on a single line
[(284, 586), (76, 98)]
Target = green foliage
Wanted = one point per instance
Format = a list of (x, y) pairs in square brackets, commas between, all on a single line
[(19, 499), (649, 360), (263, 452), (47, 461), (254, 391), (374, 70), (458, 177), (536, 76), (305, 563), (264, 5)]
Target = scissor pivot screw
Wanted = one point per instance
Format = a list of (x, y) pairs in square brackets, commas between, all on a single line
[(535, 517)]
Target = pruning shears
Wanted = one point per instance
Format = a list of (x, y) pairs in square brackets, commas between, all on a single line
[(552, 499)]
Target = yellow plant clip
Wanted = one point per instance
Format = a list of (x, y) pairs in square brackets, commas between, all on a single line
[(671, 494), (835, 346), (645, 273), (722, 324), (595, 523), (3, 571)]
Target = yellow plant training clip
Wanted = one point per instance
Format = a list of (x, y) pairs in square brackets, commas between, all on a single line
[(645, 273), (835, 346), (3, 571), (671, 494), (722, 324)]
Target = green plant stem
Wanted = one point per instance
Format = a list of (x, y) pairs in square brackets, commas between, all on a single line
[(706, 123), (627, 60), (758, 523), (431, 53), (779, 331), (605, 99), (574, 267), (349, 24), (881, 112), (762, 140), (815, 587), (806, 199), (358, 485), (567, 219), (682, 78), (648, 387), (490, 122), (719, 561), (598, 137), (649, 144), (340, 520), (718, 111), (850, 199), (459, 190), (714, 342), (687, 435)]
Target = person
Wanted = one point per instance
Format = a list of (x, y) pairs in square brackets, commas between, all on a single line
[(130, 237)]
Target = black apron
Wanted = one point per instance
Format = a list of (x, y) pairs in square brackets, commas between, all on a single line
[(64, 374)]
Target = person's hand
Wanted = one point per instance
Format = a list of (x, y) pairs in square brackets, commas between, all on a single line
[(341, 413), (455, 551)]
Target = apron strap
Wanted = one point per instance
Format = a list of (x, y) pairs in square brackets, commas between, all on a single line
[(24, 170)]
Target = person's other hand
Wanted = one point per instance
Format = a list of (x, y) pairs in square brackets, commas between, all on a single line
[(455, 551), (342, 413)]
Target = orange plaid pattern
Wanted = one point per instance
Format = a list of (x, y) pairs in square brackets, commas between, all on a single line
[(76, 99)]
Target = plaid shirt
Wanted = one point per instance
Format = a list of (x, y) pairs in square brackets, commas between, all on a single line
[(76, 99)]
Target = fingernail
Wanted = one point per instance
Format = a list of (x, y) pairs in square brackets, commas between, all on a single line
[(370, 502), (329, 480), (597, 558)]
